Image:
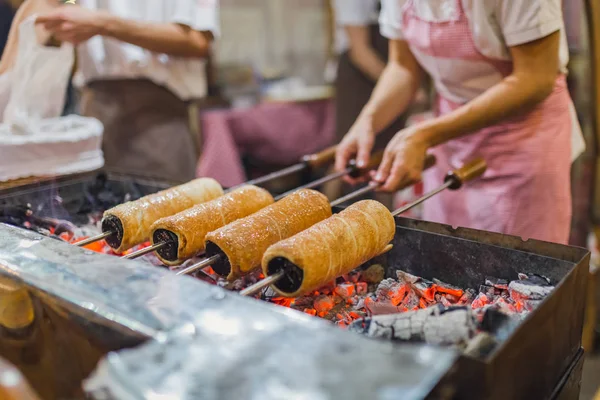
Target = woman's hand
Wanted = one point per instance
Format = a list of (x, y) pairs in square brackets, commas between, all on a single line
[(73, 24), (358, 143), (403, 160)]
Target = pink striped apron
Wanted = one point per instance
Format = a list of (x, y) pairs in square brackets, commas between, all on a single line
[(526, 190)]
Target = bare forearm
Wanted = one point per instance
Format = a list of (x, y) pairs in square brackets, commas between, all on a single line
[(169, 38), (393, 94), (10, 50), (368, 62), (515, 94)]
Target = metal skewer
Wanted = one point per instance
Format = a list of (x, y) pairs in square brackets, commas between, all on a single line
[(311, 161), (454, 180), (217, 257), (260, 285), (352, 170), (308, 162), (421, 199), (93, 239), (317, 182), (202, 264), (145, 250), (429, 162)]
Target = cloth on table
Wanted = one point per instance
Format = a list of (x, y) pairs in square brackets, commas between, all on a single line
[(274, 133)]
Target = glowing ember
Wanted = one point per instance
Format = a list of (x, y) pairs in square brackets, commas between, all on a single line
[(353, 298)]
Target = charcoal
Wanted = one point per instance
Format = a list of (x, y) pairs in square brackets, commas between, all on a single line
[(406, 277), (528, 290), (411, 300), (434, 325), (467, 297), (481, 345), (490, 291), (504, 305), (522, 276), (445, 302), (531, 305), (451, 298), (374, 274), (424, 288), (361, 288), (535, 279), (269, 292), (304, 302), (497, 283), (493, 320), (385, 287), (345, 290), (444, 284), (447, 288), (481, 300), (374, 307)]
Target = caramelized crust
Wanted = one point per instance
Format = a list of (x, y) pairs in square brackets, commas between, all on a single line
[(244, 241), (192, 225), (137, 216), (335, 246)]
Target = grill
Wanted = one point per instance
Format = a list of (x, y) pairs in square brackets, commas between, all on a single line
[(219, 345)]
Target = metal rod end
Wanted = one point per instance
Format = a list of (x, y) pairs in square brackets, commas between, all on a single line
[(202, 264), (93, 239)]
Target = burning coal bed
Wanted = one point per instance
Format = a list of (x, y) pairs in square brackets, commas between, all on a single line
[(408, 308), (412, 309)]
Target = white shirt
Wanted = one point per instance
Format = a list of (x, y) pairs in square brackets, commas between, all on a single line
[(496, 25), (352, 13), (105, 58)]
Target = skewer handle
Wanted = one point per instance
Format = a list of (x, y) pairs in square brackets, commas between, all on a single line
[(429, 162), (374, 162), (454, 180), (320, 159), (471, 170)]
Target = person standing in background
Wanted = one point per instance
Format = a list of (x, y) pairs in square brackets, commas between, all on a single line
[(141, 65), (7, 12), (24, 10), (363, 54)]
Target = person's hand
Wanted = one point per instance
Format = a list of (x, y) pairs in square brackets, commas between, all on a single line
[(403, 160), (73, 24), (358, 143)]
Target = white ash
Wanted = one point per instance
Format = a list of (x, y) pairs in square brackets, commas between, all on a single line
[(528, 291), (432, 325), (386, 287), (406, 277)]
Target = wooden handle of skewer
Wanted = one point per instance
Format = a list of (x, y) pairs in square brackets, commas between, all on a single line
[(429, 162), (471, 170), (320, 159), (376, 160)]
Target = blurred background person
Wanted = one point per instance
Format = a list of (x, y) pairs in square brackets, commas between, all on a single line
[(7, 12), (12, 14), (141, 66), (363, 54)]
